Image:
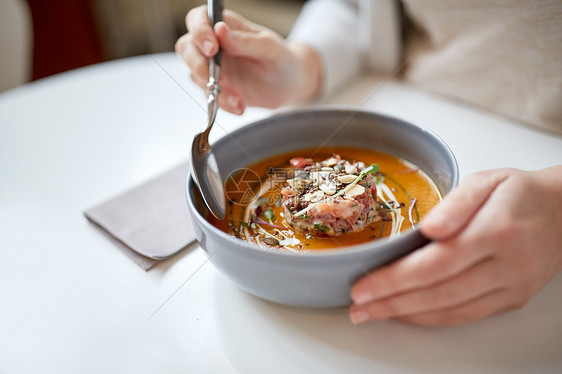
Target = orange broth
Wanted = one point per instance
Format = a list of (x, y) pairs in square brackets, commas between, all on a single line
[(407, 182)]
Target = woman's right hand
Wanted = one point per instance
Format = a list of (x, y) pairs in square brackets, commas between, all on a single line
[(258, 67)]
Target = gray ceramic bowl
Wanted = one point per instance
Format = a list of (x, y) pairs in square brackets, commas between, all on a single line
[(319, 278)]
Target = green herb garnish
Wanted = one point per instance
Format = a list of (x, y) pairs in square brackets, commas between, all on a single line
[(372, 169), (322, 228)]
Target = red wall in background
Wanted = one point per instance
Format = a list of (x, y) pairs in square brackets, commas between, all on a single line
[(64, 36)]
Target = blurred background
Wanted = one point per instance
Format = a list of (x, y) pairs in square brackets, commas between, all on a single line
[(39, 38)]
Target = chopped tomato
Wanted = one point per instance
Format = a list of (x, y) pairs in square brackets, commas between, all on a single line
[(300, 162)]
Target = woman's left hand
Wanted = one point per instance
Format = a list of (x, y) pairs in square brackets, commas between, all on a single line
[(497, 241)]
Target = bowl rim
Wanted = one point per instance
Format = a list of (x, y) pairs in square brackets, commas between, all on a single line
[(321, 253)]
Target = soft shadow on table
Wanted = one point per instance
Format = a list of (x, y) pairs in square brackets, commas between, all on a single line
[(324, 338)]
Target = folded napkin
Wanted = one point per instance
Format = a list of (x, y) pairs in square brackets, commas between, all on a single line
[(150, 222)]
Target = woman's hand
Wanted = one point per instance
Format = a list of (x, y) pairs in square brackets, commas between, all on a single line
[(258, 67), (498, 240)]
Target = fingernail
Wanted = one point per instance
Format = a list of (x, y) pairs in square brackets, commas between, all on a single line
[(227, 29), (363, 297), (207, 47), (438, 219), (233, 102), (359, 316)]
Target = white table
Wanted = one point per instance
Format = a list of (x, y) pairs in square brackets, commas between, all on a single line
[(70, 302)]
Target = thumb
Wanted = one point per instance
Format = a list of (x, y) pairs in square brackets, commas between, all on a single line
[(458, 208), (258, 45)]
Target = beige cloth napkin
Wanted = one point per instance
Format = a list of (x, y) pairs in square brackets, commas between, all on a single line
[(150, 222)]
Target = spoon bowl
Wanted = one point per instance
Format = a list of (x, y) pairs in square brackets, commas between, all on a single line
[(206, 174)]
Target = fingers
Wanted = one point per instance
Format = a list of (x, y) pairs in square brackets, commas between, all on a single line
[(202, 42), (201, 32), (260, 45), (473, 283), (237, 22), (439, 260), (203, 35), (432, 264), (198, 64), (434, 286), (231, 101), (486, 305), (249, 51), (457, 209)]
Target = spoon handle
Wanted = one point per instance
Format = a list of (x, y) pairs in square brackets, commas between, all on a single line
[(214, 12)]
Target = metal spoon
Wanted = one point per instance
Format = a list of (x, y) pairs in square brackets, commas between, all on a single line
[(203, 163)]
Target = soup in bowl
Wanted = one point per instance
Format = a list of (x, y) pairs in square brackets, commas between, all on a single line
[(317, 198)]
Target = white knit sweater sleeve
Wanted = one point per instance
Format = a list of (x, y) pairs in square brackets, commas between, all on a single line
[(331, 28)]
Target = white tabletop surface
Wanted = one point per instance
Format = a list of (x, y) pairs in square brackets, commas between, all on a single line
[(71, 302)]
